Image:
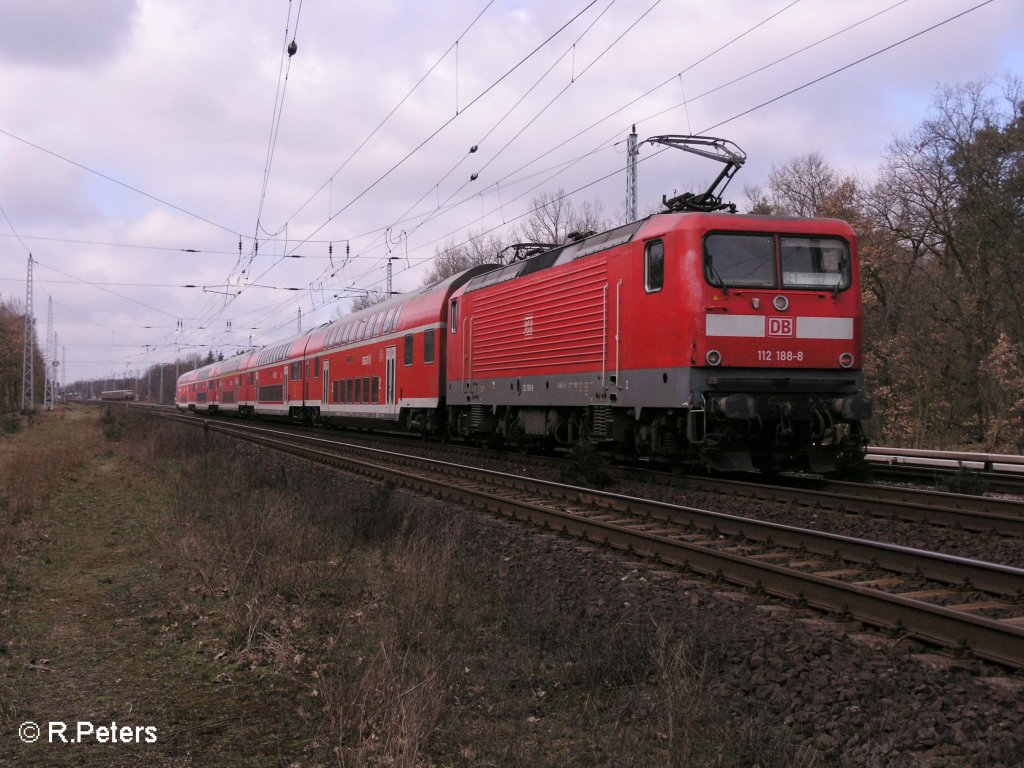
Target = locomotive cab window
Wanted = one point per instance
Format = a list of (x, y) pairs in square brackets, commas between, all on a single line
[(654, 266), (740, 260), (815, 262), (453, 316)]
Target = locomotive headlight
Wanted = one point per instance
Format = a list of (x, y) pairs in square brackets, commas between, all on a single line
[(714, 357), (781, 303), (846, 360)]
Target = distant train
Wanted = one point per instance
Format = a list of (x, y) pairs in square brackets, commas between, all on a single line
[(118, 394), (729, 341)]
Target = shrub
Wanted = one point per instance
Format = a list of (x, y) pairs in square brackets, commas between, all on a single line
[(10, 423)]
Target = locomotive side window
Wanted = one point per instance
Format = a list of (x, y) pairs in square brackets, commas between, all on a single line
[(408, 348), (740, 261), (654, 266), (453, 316), (815, 262), (428, 346)]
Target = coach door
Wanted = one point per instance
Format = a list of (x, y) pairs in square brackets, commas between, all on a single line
[(391, 356), (325, 380)]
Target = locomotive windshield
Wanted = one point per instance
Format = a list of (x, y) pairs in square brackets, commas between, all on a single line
[(814, 262), (735, 260), (740, 261)]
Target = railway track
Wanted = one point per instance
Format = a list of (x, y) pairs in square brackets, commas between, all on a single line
[(973, 513), (1003, 473), (954, 602)]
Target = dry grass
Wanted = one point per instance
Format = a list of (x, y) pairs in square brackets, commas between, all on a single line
[(407, 642), (34, 464)]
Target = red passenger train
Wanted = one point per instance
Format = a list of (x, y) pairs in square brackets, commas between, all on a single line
[(730, 341)]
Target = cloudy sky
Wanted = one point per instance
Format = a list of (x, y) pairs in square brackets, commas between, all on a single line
[(148, 145)]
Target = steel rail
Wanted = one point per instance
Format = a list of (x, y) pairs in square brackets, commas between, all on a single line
[(905, 504), (987, 638)]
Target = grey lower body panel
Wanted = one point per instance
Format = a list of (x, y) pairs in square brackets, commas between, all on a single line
[(657, 388)]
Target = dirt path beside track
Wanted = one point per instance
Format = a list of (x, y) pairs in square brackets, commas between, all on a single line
[(90, 642)]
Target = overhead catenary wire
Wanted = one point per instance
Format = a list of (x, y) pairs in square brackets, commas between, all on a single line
[(768, 102), (390, 114), (447, 206), (448, 122), (14, 232), (284, 68), (495, 126), (762, 104), (708, 129), (443, 206), (119, 183), (576, 77)]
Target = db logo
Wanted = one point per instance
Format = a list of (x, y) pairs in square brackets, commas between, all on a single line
[(780, 326)]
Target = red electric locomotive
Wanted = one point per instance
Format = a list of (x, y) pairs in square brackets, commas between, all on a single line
[(733, 341)]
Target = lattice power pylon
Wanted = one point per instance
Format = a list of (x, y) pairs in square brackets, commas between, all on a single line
[(48, 359), (28, 360)]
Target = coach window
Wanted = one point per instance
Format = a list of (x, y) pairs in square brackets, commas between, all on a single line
[(359, 391), (654, 266), (348, 388), (375, 390), (316, 367), (297, 371), (366, 389), (453, 316), (408, 348), (428, 345)]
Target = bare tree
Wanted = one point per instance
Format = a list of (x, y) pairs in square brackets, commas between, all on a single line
[(805, 186), (455, 257), (948, 206), (554, 219), (368, 299)]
